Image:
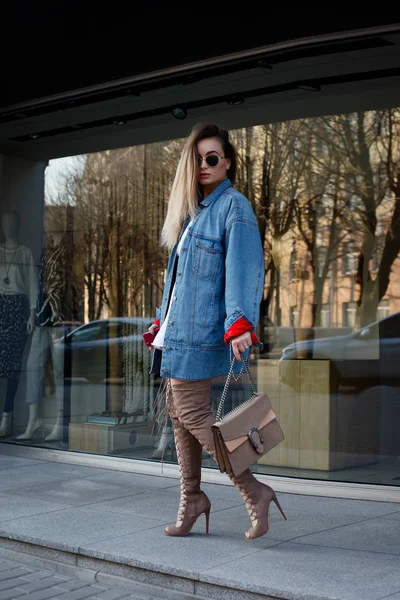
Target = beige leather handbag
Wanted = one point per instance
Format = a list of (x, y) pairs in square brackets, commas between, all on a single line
[(247, 432)]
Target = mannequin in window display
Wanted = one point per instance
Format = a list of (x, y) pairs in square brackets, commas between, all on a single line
[(166, 438), (56, 255), (42, 349), (18, 294)]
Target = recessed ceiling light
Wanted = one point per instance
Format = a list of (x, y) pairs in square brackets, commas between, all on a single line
[(179, 113), (34, 136), (264, 64), (235, 100), (119, 122)]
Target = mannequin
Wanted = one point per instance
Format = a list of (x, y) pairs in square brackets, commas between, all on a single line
[(166, 438), (56, 291), (42, 349), (18, 293)]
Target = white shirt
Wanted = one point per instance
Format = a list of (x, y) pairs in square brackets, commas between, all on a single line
[(159, 339), (19, 266)]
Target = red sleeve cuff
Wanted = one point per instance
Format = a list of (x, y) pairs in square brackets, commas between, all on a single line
[(237, 328), (156, 322)]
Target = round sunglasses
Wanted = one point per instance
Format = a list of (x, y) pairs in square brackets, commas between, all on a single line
[(212, 160)]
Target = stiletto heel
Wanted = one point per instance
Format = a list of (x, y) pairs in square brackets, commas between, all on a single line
[(194, 505), (275, 499), (207, 514), (258, 497)]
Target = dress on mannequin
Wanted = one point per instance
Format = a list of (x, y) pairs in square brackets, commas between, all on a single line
[(42, 348), (18, 292)]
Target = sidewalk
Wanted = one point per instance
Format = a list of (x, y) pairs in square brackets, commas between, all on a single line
[(112, 522), (17, 580)]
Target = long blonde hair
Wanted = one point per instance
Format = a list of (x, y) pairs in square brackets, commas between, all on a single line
[(185, 190)]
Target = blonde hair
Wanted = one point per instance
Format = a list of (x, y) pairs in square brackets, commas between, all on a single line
[(185, 190)]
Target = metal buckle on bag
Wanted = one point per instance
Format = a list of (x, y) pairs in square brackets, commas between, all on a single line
[(258, 446)]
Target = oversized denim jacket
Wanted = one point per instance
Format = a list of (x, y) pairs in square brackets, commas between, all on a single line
[(219, 280)]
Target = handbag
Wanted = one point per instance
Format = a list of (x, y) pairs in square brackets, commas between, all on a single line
[(247, 432)]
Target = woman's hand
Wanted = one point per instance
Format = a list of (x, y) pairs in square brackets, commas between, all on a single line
[(240, 344), (152, 329)]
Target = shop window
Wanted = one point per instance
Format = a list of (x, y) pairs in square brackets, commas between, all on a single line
[(103, 267)]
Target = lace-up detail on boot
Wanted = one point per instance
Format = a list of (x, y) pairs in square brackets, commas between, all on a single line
[(183, 497), (251, 510), (257, 497), (193, 502)]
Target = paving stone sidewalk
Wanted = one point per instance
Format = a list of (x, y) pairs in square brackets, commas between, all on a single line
[(17, 580)]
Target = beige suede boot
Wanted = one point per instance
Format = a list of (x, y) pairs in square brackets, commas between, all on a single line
[(191, 401), (193, 501)]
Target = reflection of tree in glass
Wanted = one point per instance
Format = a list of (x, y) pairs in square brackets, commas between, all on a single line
[(326, 188), (367, 147)]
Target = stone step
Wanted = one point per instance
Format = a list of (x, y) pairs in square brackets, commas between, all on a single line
[(35, 572)]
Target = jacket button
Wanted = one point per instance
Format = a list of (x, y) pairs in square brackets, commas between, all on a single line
[(174, 298), (179, 274)]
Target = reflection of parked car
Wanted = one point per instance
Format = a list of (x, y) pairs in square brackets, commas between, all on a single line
[(362, 359), (63, 328), (95, 351)]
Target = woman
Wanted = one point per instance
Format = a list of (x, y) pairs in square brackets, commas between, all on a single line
[(213, 289)]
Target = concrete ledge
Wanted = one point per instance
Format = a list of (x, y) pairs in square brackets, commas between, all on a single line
[(91, 571), (143, 571), (90, 576), (176, 585), (45, 553), (220, 593)]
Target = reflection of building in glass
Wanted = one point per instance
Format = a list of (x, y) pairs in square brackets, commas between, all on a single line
[(339, 263)]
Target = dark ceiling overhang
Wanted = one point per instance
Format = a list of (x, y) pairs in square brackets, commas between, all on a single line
[(84, 81), (55, 48)]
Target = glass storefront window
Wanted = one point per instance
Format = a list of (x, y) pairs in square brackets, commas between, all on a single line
[(325, 191)]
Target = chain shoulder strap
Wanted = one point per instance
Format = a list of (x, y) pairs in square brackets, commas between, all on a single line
[(245, 367)]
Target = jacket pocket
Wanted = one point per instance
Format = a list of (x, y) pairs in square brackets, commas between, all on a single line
[(207, 257)]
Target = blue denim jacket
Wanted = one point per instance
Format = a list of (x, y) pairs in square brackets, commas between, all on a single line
[(219, 279)]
